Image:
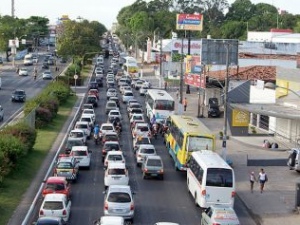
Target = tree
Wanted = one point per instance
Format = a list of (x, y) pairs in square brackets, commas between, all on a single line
[(233, 29), (241, 10)]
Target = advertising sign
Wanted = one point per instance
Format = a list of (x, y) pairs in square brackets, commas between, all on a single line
[(192, 64), (189, 22), (240, 118), (195, 80)]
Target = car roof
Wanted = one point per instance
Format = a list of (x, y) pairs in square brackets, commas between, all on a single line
[(110, 102), (79, 148), (154, 157), (76, 130), (114, 188), (56, 180), (106, 124), (111, 142), (147, 146), (115, 153), (110, 133), (114, 110), (115, 165), (54, 197), (110, 220), (138, 114), (49, 218), (82, 122)]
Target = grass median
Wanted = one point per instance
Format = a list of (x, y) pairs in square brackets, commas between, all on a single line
[(16, 183)]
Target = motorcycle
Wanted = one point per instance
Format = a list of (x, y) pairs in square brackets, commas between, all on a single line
[(155, 131), (96, 139)]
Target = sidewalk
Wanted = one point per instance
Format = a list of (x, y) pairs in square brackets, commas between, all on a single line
[(275, 206)]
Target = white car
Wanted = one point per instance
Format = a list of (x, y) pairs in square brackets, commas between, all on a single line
[(141, 130), (219, 214), (135, 118), (110, 76), (111, 92), (56, 205), (90, 112), (88, 118), (47, 75), (85, 126), (126, 96), (114, 114), (35, 59), (111, 220), (138, 84), (106, 127), (144, 89), (125, 88), (78, 134), (144, 151), (114, 157), (23, 72), (116, 174), (83, 155), (99, 74)]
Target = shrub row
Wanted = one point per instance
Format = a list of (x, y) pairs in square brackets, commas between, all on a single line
[(47, 102), (15, 142)]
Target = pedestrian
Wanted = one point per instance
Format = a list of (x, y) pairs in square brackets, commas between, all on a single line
[(184, 103), (263, 178), (17, 70), (166, 85), (252, 180)]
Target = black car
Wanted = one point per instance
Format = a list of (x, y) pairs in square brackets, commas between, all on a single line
[(45, 65), (93, 85), (92, 99), (18, 96), (213, 108), (99, 81)]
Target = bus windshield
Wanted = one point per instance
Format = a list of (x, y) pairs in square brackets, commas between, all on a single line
[(164, 105), (195, 143)]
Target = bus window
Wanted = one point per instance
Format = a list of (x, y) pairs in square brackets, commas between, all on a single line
[(199, 143), (219, 177)]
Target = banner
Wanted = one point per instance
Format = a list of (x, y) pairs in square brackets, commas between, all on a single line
[(240, 118), (195, 80), (192, 64), (189, 22)]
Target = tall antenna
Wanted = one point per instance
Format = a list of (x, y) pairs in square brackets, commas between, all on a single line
[(13, 8)]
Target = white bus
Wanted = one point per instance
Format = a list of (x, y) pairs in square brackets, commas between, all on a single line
[(130, 66), (159, 103), (210, 179)]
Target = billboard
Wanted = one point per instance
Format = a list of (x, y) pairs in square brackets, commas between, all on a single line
[(189, 22), (192, 64), (195, 80), (215, 51), (240, 118)]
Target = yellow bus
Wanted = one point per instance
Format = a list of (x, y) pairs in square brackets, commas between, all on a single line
[(187, 134)]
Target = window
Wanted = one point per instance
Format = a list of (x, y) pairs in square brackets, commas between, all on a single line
[(154, 162), (199, 143), (147, 151), (219, 177), (53, 205), (64, 165), (150, 101), (116, 171), (55, 186), (119, 197), (79, 153), (164, 105), (196, 169), (115, 158)]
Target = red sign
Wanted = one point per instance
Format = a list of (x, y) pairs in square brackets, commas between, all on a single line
[(195, 80)]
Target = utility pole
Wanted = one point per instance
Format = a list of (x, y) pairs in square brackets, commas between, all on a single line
[(181, 74), (189, 52), (224, 147), (13, 8), (160, 64)]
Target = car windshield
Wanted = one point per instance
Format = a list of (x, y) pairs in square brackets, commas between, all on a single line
[(136, 110), (53, 205), (86, 119), (111, 138), (72, 143), (119, 197), (79, 153), (138, 118), (19, 92), (91, 98), (64, 165), (76, 134), (147, 151), (154, 162), (116, 171), (135, 106), (143, 141), (112, 147), (114, 158), (55, 186)]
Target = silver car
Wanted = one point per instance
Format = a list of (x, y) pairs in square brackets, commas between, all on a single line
[(153, 167), (144, 151), (118, 201)]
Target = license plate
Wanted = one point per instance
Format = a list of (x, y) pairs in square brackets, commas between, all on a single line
[(116, 178), (118, 210), (154, 175)]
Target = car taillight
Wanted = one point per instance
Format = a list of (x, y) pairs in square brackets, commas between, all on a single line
[(161, 171), (104, 150), (64, 212), (215, 224), (131, 206), (145, 170), (41, 212), (233, 194), (106, 163), (105, 206), (203, 192)]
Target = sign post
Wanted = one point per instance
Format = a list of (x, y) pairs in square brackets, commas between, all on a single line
[(75, 79)]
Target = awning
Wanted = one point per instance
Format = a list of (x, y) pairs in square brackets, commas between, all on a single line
[(274, 110)]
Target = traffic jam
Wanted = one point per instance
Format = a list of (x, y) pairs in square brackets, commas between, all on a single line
[(119, 206)]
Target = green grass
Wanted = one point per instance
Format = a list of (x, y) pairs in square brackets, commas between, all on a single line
[(15, 185)]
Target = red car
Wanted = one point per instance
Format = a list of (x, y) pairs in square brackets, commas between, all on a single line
[(94, 92), (57, 185)]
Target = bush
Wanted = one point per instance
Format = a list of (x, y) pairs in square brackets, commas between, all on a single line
[(50, 102), (30, 105), (60, 90), (43, 117)]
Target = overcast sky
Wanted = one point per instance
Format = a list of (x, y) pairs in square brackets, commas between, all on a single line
[(104, 11)]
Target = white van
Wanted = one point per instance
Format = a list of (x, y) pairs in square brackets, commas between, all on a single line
[(210, 179), (28, 60)]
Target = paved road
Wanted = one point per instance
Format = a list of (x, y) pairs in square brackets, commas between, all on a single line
[(12, 81)]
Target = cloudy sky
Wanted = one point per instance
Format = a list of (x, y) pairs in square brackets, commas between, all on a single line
[(104, 11)]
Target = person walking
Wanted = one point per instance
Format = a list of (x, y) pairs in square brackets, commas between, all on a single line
[(263, 178), (252, 180), (166, 85), (177, 93), (184, 103)]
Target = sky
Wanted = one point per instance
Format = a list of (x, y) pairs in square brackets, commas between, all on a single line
[(104, 11)]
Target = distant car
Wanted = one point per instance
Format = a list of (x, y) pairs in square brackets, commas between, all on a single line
[(143, 90), (99, 81), (85, 126), (47, 75), (57, 205), (126, 96), (114, 157), (153, 167), (144, 151), (18, 96), (94, 92), (92, 99), (45, 65), (68, 167), (106, 127), (110, 105), (116, 172), (110, 136), (93, 85), (219, 214), (141, 130), (57, 185), (110, 146), (72, 142), (35, 59), (83, 156), (87, 106), (115, 99), (79, 134), (23, 71), (139, 141), (90, 112), (111, 92), (119, 197), (114, 114)]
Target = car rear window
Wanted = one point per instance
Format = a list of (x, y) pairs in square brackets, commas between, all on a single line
[(115, 158), (76, 134), (128, 94), (119, 197), (138, 118), (219, 177), (82, 126), (86, 119), (107, 128), (154, 162), (143, 141), (55, 186), (64, 165), (112, 146), (79, 153), (111, 104), (116, 171), (147, 150), (114, 113), (53, 206), (143, 129)]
